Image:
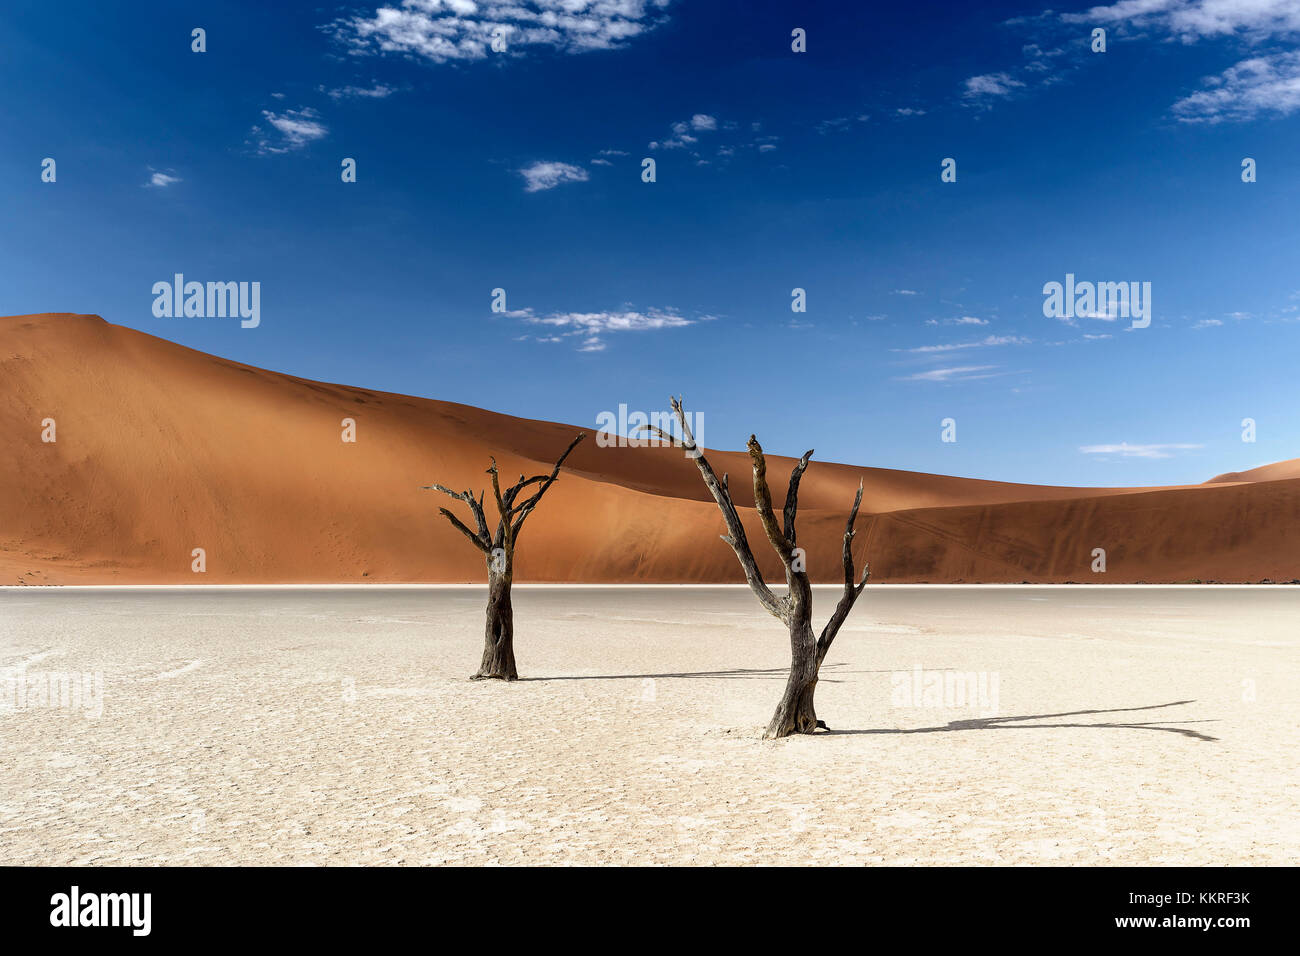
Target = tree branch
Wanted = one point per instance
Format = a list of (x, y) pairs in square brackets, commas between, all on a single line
[(513, 491), (851, 591), (763, 502), (792, 496), (503, 537), (735, 535), (669, 437), (481, 540), (483, 545), (527, 507)]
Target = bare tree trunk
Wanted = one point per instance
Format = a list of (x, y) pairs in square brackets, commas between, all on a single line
[(499, 634), (499, 549), (796, 713)]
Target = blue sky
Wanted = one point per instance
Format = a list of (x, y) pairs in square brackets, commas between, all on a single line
[(776, 170)]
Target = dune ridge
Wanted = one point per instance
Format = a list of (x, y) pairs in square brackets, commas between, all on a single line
[(162, 449)]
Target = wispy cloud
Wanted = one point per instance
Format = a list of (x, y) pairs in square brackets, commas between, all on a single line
[(540, 176), (685, 132), (162, 180), (1125, 450), (1189, 20), (290, 130), (446, 30), (987, 341), (1253, 88), (689, 135), (376, 91), (1207, 323), (961, 373), (840, 123), (590, 327), (979, 90), (1041, 59), (1045, 62)]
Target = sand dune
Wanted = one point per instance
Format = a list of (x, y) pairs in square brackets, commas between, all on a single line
[(162, 449), (1278, 471)]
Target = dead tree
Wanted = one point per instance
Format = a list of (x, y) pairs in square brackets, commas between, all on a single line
[(796, 713), (499, 549)]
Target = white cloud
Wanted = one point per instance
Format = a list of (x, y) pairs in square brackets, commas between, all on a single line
[(162, 180), (541, 176), (909, 111), (1255, 87), (989, 340), (961, 373), (990, 86), (377, 91), (445, 30), (1040, 60), (969, 320), (683, 132), (906, 292), (1190, 20), (1207, 323), (591, 326), (296, 128), (1125, 450), (841, 123), (629, 321)]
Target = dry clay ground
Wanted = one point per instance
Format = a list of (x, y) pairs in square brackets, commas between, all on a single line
[(336, 726)]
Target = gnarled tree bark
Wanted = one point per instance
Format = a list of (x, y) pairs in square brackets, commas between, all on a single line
[(499, 551), (499, 633), (796, 713)]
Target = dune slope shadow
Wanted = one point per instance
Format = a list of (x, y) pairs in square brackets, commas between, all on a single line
[(1014, 723)]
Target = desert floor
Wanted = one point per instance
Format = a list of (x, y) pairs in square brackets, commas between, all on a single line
[(302, 726)]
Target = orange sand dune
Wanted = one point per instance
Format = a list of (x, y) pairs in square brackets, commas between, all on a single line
[(162, 449), (1278, 471)]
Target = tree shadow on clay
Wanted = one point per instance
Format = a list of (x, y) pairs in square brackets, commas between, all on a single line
[(1017, 723)]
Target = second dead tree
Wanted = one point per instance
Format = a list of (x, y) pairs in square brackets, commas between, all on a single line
[(499, 549), (795, 714)]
